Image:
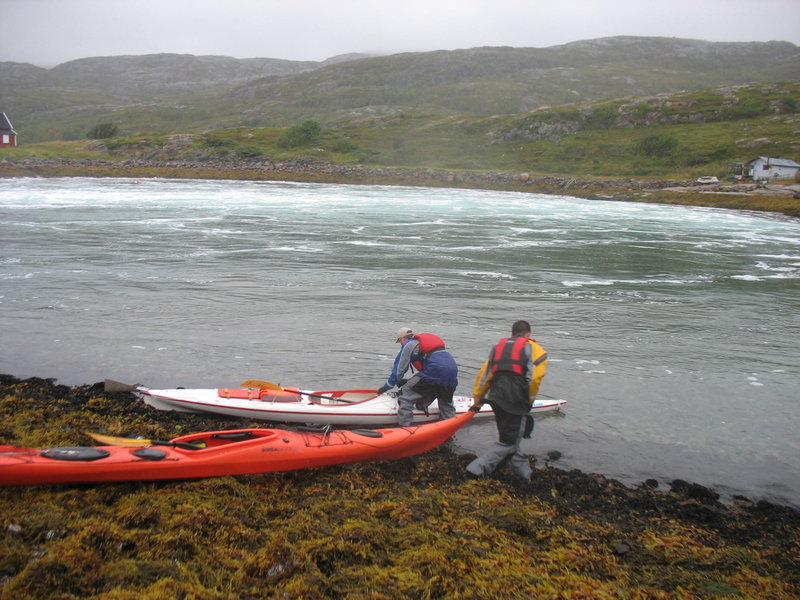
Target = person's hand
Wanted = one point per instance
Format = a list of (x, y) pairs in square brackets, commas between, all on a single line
[(401, 382), (383, 389), (475, 407)]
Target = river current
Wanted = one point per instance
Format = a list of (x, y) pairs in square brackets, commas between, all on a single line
[(672, 331)]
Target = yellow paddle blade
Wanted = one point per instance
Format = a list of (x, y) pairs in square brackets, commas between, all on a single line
[(258, 383), (110, 440)]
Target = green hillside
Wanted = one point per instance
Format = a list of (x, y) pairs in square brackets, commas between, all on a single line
[(488, 81), (672, 136), (169, 92)]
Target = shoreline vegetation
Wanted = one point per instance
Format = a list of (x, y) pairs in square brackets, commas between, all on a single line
[(773, 198), (418, 527)]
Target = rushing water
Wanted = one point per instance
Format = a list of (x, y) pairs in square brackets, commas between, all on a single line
[(672, 331)]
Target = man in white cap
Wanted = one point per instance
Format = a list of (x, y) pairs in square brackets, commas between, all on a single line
[(436, 377)]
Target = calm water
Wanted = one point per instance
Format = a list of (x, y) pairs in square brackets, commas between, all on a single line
[(673, 332)]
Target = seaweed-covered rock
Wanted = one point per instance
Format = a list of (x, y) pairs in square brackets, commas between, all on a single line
[(412, 528)]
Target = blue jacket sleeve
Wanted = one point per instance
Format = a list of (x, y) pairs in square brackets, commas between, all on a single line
[(402, 362)]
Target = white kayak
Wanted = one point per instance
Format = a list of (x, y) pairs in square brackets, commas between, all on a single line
[(292, 405)]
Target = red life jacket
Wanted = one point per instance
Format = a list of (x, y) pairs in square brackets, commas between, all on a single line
[(507, 356), (428, 342)]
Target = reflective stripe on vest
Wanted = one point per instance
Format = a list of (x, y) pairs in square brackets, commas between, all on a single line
[(507, 356)]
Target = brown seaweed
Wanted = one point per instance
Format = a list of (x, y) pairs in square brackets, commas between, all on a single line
[(412, 528)]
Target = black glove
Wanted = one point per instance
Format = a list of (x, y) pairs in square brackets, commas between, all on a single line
[(383, 389), (475, 407), (401, 382), (528, 427)]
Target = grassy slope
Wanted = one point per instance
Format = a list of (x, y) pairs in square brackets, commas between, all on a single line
[(712, 128), (460, 144)]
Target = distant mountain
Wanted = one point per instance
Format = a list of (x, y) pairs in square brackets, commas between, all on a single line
[(513, 80), (155, 72), (166, 92)]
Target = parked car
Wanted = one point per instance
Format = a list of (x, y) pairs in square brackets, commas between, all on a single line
[(706, 179)]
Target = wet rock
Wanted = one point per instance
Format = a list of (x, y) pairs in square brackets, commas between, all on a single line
[(694, 491), (621, 547)]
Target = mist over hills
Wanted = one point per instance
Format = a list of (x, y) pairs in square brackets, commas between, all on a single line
[(155, 72), (168, 92)]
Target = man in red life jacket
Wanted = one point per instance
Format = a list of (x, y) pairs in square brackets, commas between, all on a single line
[(436, 376), (511, 378)]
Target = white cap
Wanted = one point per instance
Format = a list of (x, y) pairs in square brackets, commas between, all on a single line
[(403, 332)]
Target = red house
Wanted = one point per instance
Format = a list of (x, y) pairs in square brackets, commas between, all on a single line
[(8, 137)]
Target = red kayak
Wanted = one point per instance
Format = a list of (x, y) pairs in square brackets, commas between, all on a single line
[(218, 453)]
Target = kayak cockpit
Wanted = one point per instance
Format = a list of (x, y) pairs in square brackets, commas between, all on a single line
[(216, 439), (339, 397), (324, 398)]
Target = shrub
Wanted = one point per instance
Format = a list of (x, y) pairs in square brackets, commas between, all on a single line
[(249, 152), (642, 109), (696, 160), (658, 145), (102, 131), (748, 108), (304, 134), (214, 141), (603, 117), (343, 146)]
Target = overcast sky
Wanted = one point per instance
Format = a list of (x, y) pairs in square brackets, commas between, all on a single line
[(49, 32)]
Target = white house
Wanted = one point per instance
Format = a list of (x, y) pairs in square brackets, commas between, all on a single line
[(764, 167)]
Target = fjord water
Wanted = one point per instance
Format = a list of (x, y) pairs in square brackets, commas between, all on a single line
[(672, 331)]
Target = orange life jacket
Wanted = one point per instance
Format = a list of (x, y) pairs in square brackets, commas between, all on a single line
[(485, 374), (428, 342), (507, 355)]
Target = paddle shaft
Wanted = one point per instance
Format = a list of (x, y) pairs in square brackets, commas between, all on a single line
[(268, 385), (108, 440), (328, 398), (181, 445)]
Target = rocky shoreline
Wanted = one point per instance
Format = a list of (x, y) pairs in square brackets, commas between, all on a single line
[(746, 196), (409, 528), (269, 169)]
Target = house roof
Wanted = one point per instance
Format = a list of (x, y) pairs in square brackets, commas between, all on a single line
[(776, 162), (5, 124)]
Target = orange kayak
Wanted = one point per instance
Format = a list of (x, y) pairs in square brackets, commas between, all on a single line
[(218, 453)]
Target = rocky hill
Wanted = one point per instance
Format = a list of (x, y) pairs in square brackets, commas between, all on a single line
[(159, 73), (167, 92), (488, 81)]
